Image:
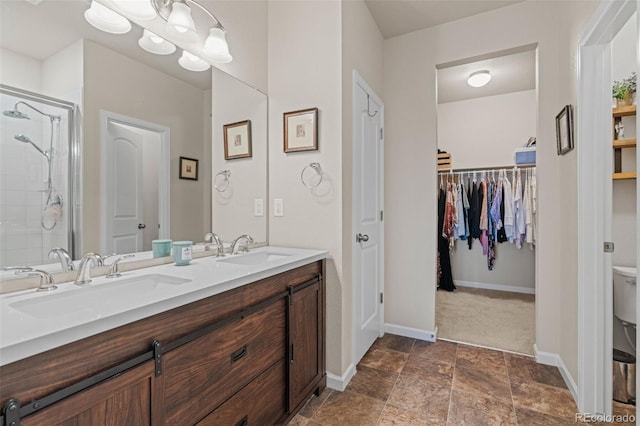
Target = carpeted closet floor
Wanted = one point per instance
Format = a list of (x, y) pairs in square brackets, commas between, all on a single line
[(495, 319)]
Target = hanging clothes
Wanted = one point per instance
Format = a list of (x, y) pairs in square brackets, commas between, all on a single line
[(461, 229), (475, 203), (491, 244), (508, 220), (484, 218), (445, 281), (518, 211)]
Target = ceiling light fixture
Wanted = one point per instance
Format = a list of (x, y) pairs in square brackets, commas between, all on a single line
[(155, 44), (106, 19), (479, 78), (192, 62)]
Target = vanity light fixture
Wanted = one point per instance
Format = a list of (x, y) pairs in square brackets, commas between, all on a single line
[(192, 62), (155, 44), (106, 19), (479, 78)]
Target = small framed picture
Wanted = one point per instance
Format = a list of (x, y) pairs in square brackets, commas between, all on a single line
[(301, 130), (188, 168), (237, 140), (564, 130)]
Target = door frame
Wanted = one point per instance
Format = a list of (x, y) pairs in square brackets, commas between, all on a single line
[(358, 81), (595, 289), (164, 171)]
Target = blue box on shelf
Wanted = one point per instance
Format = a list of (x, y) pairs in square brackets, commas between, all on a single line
[(525, 155)]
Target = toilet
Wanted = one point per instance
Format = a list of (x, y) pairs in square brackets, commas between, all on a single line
[(624, 294)]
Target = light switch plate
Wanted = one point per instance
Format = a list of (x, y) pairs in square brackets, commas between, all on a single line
[(278, 207), (258, 207)]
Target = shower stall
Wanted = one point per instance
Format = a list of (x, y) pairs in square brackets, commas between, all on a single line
[(39, 168)]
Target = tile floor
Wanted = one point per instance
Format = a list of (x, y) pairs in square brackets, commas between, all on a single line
[(403, 381)]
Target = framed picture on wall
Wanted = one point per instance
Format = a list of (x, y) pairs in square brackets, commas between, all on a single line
[(237, 140), (564, 130), (188, 168), (301, 130)]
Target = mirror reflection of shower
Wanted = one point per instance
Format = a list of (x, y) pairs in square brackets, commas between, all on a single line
[(52, 210), (36, 177)]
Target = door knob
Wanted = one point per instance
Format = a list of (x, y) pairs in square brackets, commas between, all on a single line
[(141, 226), (362, 238)]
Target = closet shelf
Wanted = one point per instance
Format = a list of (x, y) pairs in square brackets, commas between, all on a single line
[(624, 175), (624, 111), (624, 143)]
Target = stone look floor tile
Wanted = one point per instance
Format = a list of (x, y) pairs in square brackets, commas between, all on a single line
[(299, 420), (543, 398), (385, 360), (471, 409), (373, 383), (440, 350), (534, 418), (527, 369), (349, 408), (392, 416), (420, 399), (482, 383), (481, 359), (314, 403), (395, 342), (430, 370)]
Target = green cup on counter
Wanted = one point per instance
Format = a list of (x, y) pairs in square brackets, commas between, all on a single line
[(182, 252), (161, 248)]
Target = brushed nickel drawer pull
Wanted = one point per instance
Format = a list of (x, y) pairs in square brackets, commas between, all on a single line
[(239, 354), (243, 422)]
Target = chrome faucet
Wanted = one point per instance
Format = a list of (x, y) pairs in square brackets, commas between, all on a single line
[(84, 269), (46, 279), (237, 247), (63, 258), (113, 271), (212, 237)]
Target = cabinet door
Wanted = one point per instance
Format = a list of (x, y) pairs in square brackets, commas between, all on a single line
[(306, 357), (123, 400)]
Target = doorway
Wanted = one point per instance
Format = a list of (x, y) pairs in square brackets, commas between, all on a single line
[(367, 225), (135, 183), (486, 247)]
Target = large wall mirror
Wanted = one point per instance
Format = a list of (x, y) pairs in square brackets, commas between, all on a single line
[(123, 94)]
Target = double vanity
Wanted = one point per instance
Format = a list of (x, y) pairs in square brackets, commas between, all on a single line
[(234, 340)]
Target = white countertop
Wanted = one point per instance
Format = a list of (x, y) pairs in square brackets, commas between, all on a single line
[(27, 328)]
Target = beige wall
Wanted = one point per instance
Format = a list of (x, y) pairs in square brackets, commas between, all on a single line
[(411, 128), (116, 83), (20, 71)]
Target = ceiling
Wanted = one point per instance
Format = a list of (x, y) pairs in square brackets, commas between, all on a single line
[(397, 17)]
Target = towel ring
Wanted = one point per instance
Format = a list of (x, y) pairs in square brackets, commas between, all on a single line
[(312, 175), (221, 180)]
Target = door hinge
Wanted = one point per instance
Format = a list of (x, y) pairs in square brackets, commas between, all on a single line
[(381, 133), (381, 297), (381, 215), (608, 247), (157, 357)]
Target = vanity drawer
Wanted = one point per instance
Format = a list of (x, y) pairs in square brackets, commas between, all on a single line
[(201, 374), (260, 403)]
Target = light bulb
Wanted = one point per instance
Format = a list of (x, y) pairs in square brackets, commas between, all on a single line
[(216, 47), (154, 44), (479, 78), (192, 62), (106, 19), (180, 18)]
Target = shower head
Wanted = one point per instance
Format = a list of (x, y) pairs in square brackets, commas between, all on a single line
[(25, 139), (16, 114)]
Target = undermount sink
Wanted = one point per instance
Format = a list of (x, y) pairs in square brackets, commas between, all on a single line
[(132, 290), (252, 259)]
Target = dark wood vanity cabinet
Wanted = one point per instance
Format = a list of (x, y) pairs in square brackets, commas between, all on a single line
[(248, 356)]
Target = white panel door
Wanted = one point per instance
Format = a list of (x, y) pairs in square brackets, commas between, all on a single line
[(368, 253), (124, 185)]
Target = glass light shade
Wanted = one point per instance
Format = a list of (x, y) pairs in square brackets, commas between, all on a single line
[(106, 19), (479, 78), (216, 47), (192, 62), (155, 44), (180, 18), (137, 9)]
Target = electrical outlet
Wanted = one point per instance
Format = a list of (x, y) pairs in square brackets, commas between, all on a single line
[(258, 207), (278, 207)]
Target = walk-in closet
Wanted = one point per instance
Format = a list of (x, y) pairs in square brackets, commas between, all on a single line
[(487, 200)]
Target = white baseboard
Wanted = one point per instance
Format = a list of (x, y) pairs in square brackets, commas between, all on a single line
[(415, 333), (555, 360), (340, 383), (499, 287)]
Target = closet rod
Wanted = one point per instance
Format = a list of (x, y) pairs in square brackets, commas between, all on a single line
[(483, 169)]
